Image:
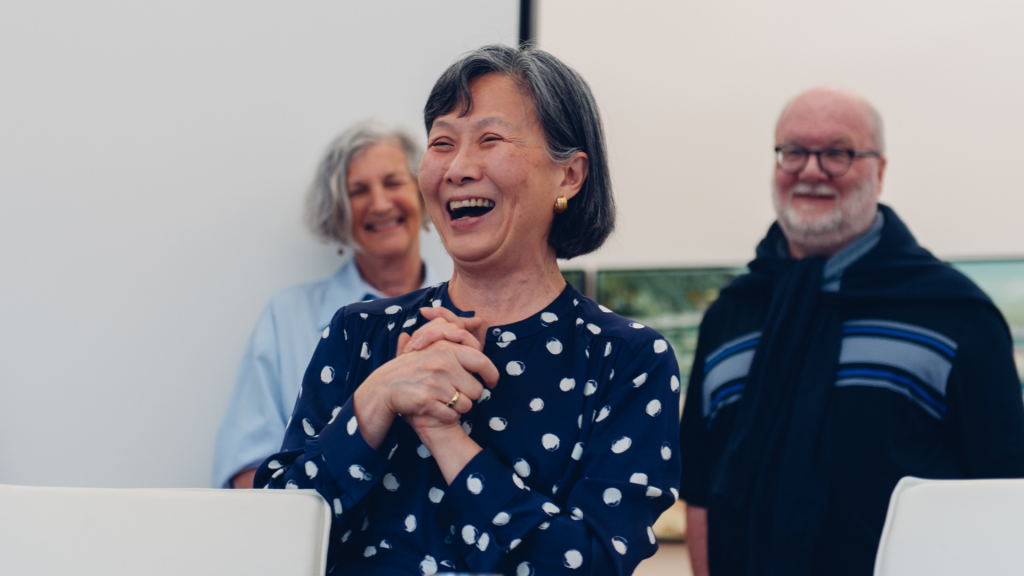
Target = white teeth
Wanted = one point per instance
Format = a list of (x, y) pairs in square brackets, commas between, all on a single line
[(384, 225), (472, 202)]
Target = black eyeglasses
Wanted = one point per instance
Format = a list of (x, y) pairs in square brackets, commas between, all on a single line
[(833, 161)]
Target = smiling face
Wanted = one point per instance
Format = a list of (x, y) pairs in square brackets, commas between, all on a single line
[(385, 201), (489, 182), (820, 214)]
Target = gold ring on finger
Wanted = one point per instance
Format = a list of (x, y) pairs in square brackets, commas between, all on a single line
[(454, 399)]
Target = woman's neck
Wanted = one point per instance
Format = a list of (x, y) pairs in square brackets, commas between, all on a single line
[(392, 276), (506, 296)]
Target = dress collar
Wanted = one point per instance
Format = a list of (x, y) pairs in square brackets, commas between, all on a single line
[(347, 286), (562, 309)]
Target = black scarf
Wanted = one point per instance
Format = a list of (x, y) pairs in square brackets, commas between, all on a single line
[(770, 496)]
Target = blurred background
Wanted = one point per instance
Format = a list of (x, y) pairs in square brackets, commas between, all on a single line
[(153, 159)]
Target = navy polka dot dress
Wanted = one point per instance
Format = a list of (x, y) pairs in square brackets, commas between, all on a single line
[(579, 443)]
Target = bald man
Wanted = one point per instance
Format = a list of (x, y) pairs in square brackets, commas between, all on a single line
[(847, 358)]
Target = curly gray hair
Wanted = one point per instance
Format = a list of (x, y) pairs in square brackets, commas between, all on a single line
[(328, 213)]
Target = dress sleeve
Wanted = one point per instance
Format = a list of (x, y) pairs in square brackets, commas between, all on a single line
[(985, 401), (627, 475), (323, 448), (693, 441), (254, 423)]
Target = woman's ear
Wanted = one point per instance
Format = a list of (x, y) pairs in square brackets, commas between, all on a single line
[(574, 173)]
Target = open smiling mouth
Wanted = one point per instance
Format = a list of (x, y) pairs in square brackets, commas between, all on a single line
[(384, 225), (464, 209)]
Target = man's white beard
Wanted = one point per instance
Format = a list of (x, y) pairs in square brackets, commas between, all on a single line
[(828, 233)]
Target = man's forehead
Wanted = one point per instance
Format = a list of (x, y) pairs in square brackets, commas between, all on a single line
[(822, 117)]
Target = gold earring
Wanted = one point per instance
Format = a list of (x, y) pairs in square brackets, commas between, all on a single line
[(561, 204)]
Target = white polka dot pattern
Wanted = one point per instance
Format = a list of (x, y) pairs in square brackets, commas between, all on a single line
[(612, 496), (475, 483), (428, 567), (505, 339), (621, 445), (554, 346), (526, 422), (550, 442), (577, 451), (522, 467), (573, 559), (435, 495), (327, 375)]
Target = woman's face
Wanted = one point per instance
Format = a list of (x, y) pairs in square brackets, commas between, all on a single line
[(488, 181), (385, 201)]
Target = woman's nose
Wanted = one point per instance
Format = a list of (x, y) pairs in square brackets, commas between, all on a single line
[(465, 167), (380, 200)]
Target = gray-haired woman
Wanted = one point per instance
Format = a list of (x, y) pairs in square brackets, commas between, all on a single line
[(430, 462), (364, 197)]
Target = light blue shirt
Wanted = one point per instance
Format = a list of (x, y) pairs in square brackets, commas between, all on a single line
[(274, 363)]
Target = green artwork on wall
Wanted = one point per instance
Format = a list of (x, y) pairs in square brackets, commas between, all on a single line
[(672, 301)]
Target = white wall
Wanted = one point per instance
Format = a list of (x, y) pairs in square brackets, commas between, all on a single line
[(690, 92), (153, 158)]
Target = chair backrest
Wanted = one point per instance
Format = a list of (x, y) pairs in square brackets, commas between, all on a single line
[(121, 532), (953, 527)]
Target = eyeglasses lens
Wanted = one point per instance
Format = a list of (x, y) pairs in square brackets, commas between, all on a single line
[(792, 161), (835, 162)]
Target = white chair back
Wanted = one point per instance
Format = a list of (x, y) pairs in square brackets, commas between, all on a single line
[(953, 527), (122, 532)]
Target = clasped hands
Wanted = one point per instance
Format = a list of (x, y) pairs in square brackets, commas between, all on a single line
[(433, 365)]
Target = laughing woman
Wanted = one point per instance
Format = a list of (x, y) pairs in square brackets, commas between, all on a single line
[(499, 422)]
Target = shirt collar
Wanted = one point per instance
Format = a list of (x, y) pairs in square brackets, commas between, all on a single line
[(837, 264), (347, 286)]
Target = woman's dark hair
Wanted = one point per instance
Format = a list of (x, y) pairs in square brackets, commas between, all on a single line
[(567, 112)]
